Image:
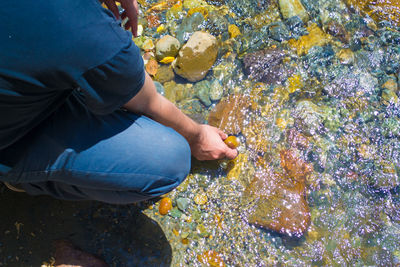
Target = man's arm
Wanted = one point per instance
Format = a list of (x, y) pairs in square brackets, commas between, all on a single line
[(206, 142)]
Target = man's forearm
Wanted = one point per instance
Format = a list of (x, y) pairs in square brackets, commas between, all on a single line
[(150, 103)]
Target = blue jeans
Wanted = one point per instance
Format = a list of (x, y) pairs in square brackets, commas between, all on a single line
[(117, 158)]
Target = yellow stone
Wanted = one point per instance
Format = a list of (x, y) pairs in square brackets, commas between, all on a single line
[(200, 9), (167, 60), (161, 28), (233, 30), (294, 83), (200, 199), (281, 123), (316, 37)]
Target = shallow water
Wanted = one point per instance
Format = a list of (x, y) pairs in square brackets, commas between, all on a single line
[(331, 101), (339, 91)]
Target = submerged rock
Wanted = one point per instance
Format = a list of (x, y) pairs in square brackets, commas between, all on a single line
[(290, 8), (266, 65), (337, 30), (188, 26), (164, 74), (388, 10), (202, 91), (167, 46), (315, 37), (196, 57), (229, 114), (278, 199)]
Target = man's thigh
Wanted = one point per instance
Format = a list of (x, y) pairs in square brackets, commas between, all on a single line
[(117, 152)]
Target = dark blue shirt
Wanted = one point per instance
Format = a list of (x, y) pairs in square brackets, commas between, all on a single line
[(48, 48)]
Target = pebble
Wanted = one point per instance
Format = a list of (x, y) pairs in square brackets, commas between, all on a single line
[(201, 199), (182, 203), (165, 206)]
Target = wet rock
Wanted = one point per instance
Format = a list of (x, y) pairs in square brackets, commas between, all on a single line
[(278, 31), (216, 91), (164, 74), (160, 89), (229, 114), (202, 91), (337, 30), (188, 26), (346, 56), (216, 24), (69, 255), (379, 10), (278, 199), (391, 85), (266, 66), (182, 203), (174, 92), (296, 139), (196, 57), (315, 37), (167, 46), (296, 26), (290, 8), (308, 117), (251, 41)]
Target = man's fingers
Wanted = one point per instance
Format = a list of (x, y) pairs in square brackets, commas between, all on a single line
[(222, 134), (231, 153), (131, 12), (112, 7)]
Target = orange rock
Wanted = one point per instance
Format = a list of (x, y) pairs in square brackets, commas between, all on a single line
[(152, 67), (295, 167), (232, 142), (296, 139), (279, 204), (165, 206), (229, 114), (211, 258), (153, 21)]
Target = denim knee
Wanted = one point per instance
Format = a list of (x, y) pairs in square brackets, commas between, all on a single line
[(174, 167)]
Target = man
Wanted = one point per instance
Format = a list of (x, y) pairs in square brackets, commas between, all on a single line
[(66, 69)]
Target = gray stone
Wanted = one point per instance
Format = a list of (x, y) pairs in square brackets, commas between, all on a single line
[(182, 203), (167, 46), (278, 31), (188, 26), (202, 91), (216, 91)]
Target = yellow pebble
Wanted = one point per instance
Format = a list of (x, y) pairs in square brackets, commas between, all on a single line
[(281, 123), (167, 60), (161, 28), (233, 30), (200, 199)]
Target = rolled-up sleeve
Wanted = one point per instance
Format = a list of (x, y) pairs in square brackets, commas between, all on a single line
[(109, 86)]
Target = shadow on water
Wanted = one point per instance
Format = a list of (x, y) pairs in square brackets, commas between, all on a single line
[(120, 235)]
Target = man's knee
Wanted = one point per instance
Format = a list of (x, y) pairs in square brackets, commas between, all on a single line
[(173, 168)]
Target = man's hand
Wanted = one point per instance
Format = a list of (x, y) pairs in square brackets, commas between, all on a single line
[(206, 142), (209, 145), (131, 11)]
